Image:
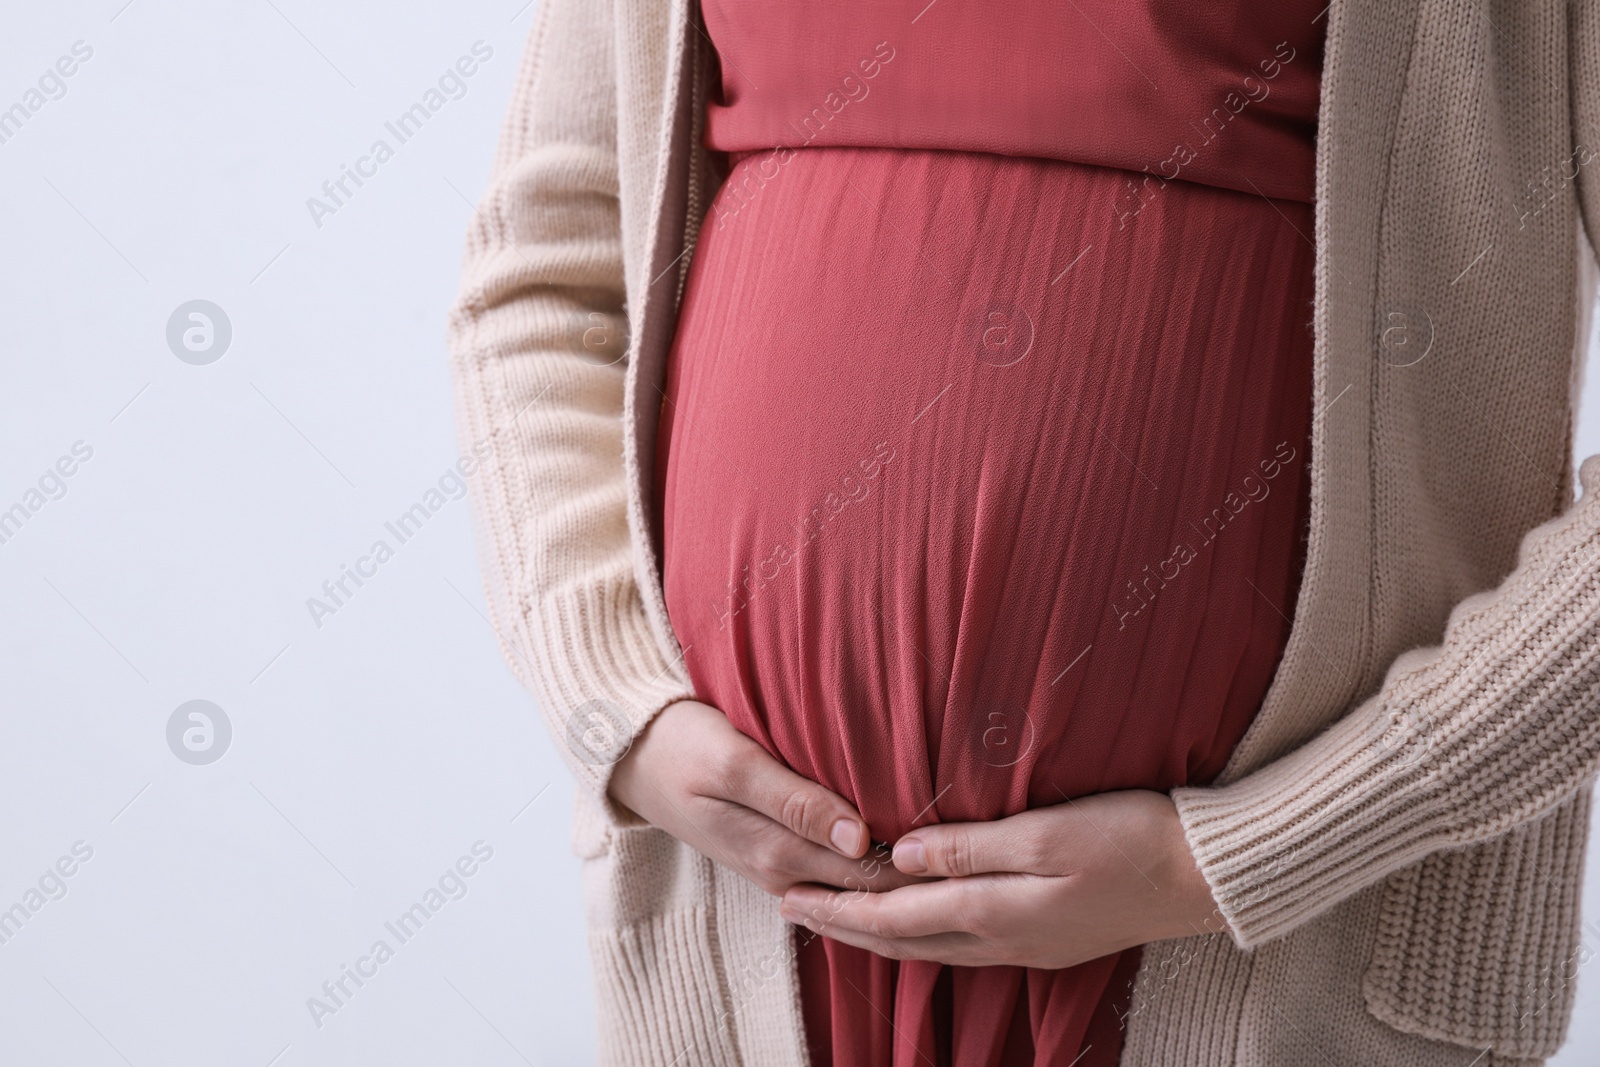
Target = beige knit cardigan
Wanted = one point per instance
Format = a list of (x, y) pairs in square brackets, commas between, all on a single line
[(1397, 842)]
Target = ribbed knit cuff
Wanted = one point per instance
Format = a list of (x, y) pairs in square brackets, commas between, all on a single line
[(1282, 845), (600, 677), (1464, 742)]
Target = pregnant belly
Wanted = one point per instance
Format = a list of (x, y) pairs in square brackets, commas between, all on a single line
[(978, 493)]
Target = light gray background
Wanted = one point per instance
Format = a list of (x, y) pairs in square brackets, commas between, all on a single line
[(367, 755)]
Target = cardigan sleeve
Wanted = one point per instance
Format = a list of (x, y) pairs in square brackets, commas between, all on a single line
[(1495, 727), (537, 340)]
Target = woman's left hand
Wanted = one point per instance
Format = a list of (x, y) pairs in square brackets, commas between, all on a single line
[(1049, 888)]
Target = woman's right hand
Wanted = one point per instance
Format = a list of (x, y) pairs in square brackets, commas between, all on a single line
[(694, 775)]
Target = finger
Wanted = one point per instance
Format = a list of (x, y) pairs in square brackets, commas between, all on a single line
[(958, 950), (871, 873), (956, 947), (915, 911), (776, 858), (960, 850), (821, 816)]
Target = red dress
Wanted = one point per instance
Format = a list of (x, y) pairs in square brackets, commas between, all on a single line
[(982, 457)]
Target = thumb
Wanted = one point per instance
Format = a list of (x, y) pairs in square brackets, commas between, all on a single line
[(957, 850), (815, 812)]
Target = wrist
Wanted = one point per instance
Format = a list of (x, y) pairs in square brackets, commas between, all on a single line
[(1188, 906), (630, 785), (625, 782)]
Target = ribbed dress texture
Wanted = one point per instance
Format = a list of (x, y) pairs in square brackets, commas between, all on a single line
[(981, 463)]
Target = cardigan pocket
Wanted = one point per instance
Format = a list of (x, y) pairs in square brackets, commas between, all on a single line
[(1480, 946)]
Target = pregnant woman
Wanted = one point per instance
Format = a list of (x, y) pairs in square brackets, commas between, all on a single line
[(982, 452), (1015, 515)]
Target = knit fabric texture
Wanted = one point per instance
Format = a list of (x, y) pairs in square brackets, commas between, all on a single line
[(1397, 842)]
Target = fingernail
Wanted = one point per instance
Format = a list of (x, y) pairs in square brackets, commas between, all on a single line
[(790, 913), (846, 836), (910, 856)]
